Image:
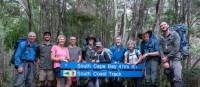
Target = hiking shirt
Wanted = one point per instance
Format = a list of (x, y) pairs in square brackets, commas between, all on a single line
[(149, 46), (170, 45), (89, 53), (45, 55), (117, 53), (74, 53), (25, 52), (102, 57), (132, 56), (61, 53)]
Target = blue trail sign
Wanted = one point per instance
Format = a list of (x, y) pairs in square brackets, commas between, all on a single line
[(74, 69)]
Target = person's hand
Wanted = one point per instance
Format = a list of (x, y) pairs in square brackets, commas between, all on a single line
[(136, 63), (65, 60), (97, 61), (166, 65), (144, 56), (38, 61), (93, 61), (20, 70), (164, 59)]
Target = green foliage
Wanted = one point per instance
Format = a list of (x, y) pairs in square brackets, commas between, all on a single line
[(194, 47), (16, 29), (10, 9), (80, 23), (170, 16), (15, 22), (12, 23), (191, 72), (7, 77)]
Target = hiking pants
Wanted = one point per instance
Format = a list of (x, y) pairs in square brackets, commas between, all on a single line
[(25, 78), (151, 72), (177, 69)]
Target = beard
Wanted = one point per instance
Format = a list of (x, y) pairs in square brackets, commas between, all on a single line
[(165, 30)]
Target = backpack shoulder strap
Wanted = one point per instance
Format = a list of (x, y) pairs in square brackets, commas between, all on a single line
[(102, 53), (137, 53), (128, 53), (26, 45)]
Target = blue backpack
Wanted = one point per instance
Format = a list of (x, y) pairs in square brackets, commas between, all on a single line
[(181, 30), (22, 39)]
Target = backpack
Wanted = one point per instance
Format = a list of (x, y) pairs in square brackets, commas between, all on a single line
[(181, 30), (107, 51), (22, 39)]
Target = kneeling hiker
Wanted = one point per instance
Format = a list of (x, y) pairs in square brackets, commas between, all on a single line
[(170, 44)]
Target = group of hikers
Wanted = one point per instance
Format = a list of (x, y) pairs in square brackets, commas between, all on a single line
[(152, 52)]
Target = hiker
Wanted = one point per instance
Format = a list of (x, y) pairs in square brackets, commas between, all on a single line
[(89, 49), (75, 55), (89, 56), (150, 55), (60, 53), (45, 62), (170, 55), (133, 56), (117, 57), (25, 58), (101, 56)]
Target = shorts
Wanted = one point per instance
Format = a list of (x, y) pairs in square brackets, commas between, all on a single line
[(57, 71), (46, 75)]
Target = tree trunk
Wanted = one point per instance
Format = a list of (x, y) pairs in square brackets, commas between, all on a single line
[(176, 11), (29, 16), (189, 27), (183, 14), (138, 19), (28, 10), (116, 18), (124, 28), (157, 20)]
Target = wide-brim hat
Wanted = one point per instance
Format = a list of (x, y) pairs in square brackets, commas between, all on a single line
[(91, 37), (143, 32)]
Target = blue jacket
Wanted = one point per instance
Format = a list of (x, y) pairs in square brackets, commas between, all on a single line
[(25, 52), (117, 53)]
